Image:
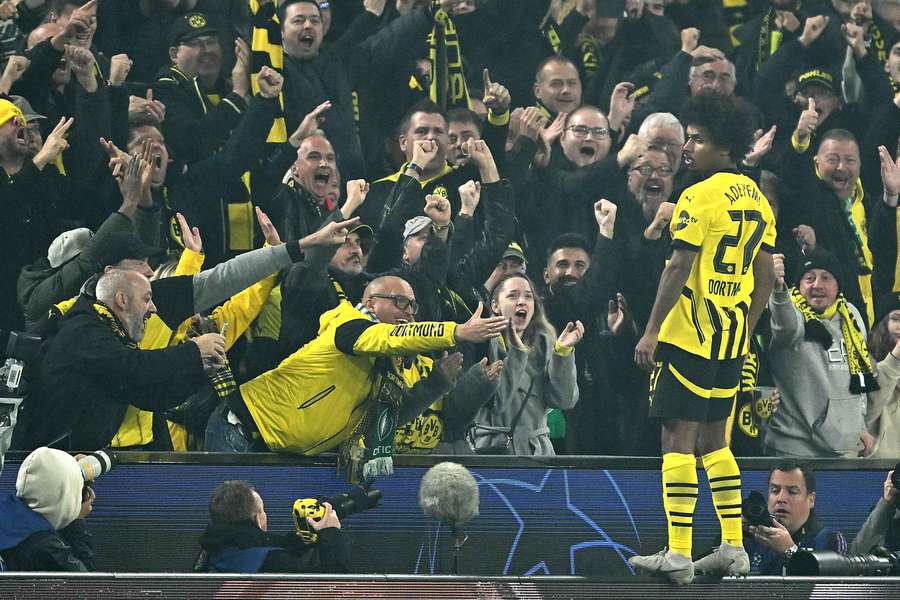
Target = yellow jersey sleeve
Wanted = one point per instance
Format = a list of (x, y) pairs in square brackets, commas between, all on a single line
[(361, 337), (692, 220)]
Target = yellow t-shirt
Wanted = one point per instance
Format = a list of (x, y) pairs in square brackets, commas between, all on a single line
[(726, 220)]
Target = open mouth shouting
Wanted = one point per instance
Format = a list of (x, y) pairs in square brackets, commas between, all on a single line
[(653, 190), (840, 179), (307, 40), (521, 317), (321, 178)]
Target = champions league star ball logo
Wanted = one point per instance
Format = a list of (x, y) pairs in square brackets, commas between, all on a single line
[(591, 523)]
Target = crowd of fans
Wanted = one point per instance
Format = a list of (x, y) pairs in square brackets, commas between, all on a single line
[(432, 226)]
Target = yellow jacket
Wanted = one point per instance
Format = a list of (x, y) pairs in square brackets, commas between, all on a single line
[(317, 397)]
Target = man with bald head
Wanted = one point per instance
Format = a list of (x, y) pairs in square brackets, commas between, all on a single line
[(306, 198), (352, 373), (94, 368)]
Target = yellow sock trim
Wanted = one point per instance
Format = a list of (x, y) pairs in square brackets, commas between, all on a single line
[(725, 483), (679, 478)]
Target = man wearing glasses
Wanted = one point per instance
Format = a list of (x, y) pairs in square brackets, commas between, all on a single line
[(648, 210), (328, 391), (585, 140)]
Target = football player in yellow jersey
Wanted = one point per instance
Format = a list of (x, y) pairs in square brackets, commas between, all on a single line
[(709, 299)]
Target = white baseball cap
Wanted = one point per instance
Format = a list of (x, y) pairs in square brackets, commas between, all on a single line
[(68, 245)]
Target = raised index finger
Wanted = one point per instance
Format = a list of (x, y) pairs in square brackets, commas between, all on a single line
[(487, 79), (88, 7)]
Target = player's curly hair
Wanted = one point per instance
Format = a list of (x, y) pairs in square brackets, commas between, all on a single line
[(727, 120)]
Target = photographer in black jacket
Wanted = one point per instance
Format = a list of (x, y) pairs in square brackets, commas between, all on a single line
[(237, 540)]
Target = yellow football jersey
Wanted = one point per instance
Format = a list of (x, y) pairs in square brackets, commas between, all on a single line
[(726, 220)]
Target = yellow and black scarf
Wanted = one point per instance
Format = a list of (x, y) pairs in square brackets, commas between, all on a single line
[(266, 51), (862, 378), (110, 319), (448, 79), (770, 36)]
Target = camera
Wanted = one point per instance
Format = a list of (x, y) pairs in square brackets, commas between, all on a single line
[(355, 501), (895, 477), (19, 349), (97, 463), (827, 563), (94, 465), (755, 509)]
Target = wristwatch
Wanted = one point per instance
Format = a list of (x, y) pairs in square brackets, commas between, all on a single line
[(790, 552), (414, 167)]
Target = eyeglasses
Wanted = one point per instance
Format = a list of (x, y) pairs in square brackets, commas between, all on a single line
[(401, 302), (583, 130), (647, 170), (666, 143)]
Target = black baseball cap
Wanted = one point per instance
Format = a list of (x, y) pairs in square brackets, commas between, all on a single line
[(190, 26), (820, 77)]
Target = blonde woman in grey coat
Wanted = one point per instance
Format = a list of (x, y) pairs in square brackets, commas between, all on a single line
[(538, 374)]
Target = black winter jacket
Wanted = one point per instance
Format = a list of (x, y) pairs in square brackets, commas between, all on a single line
[(243, 547), (89, 376), (194, 128), (29, 543)]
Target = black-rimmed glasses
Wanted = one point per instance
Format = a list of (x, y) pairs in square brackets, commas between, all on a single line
[(401, 302), (583, 131)]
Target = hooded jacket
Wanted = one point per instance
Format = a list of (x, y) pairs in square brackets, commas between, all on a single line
[(818, 417), (38, 527)]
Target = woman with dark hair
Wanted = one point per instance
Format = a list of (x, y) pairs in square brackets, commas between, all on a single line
[(883, 410), (539, 373)]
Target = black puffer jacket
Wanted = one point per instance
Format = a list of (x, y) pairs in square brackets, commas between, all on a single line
[(29, 543)]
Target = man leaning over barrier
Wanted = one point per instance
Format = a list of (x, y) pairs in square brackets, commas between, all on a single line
[(350, 382)]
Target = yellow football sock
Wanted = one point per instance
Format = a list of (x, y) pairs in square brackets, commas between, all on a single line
[(725, 483), (679, 476)]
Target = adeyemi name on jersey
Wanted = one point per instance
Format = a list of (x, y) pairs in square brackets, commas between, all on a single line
[(742, 190), (419, 330), (718, 287)]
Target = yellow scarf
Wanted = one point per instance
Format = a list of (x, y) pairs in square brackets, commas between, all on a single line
[(862, 378)]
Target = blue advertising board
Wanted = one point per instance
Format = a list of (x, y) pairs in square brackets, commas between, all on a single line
[(551, 520)]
